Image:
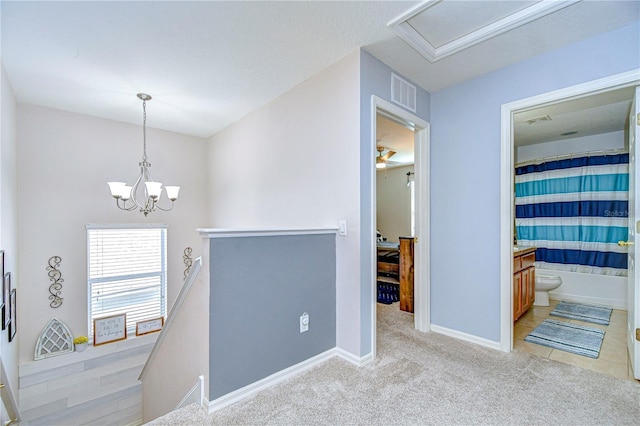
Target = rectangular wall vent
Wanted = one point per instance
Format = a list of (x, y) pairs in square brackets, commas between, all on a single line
[(403, 93)]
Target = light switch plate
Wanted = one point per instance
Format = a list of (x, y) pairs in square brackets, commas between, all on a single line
[(342, 226)]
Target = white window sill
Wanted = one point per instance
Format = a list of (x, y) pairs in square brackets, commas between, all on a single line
[(91, 352)]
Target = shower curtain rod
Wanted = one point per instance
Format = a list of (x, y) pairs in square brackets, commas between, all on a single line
[(573, 155)]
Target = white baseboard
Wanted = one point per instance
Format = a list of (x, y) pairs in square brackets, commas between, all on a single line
[(610, 303), (466, 337), (269, 381), (354, 359)]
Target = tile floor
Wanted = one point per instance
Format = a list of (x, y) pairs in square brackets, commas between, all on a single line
[(613, 359)]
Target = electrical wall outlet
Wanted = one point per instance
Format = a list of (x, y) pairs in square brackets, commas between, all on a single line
[(304, 322)]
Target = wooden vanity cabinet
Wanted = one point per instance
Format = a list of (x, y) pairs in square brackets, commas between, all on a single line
[(524, 278)]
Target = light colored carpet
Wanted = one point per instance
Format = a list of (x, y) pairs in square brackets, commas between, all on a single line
[(432, 379)]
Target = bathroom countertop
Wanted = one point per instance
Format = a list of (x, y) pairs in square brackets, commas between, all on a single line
[(519, 251)]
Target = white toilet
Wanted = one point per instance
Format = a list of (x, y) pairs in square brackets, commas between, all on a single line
[(544, 284)]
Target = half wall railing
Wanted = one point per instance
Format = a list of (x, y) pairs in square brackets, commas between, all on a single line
[(175, 358)]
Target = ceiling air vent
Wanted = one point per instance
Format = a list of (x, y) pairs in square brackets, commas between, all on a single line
[(403, 93), (538, 119)]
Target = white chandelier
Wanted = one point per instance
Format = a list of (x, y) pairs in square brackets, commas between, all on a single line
[(144, 197)]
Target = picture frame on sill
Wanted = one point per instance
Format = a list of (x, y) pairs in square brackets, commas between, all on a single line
[(149, 326), (109, 329), (13, 307)]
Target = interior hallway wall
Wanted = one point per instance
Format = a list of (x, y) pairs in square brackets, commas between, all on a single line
[(294, 164), (465, 171), (9, 220), (64, 163)]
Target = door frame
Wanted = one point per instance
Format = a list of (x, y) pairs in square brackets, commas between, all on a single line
[(422, 283), (617, 81)]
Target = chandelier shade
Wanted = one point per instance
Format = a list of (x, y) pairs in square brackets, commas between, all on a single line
[(145, 193)]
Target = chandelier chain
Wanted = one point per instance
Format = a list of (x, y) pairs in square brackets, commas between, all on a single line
[(144, 131)]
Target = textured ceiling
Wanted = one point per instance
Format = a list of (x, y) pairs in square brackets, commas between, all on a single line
[(395, 137), (207, 64), (591, 115)]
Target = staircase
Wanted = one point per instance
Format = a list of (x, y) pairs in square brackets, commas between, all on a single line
[(167, 376)]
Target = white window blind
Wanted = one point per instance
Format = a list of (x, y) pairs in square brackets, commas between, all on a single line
[(127, 273)]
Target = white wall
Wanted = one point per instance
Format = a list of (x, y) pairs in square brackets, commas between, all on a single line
[(295, 163), (9, 220), (604, 141), (64, 162), (393, 203)]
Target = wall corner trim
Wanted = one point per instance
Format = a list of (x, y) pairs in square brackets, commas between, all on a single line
[(354, 359), (466, 337)]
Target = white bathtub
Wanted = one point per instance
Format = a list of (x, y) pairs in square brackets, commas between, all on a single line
[(603, 290)]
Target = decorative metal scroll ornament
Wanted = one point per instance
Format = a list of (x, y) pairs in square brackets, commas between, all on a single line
[(55, 276), (188, 261)]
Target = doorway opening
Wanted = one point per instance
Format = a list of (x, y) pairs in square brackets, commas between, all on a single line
[(513, 151), (395, 216), (418, 181)]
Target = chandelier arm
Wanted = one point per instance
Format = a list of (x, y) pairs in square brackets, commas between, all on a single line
[(124, 205), (165, 210), (134, 190), (151, 205)]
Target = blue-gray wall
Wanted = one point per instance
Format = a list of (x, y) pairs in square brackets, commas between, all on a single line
[(259, 288), (465, 172), (375, 79)]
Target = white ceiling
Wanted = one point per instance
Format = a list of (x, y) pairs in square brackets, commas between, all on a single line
[(586, 116), (437, 29), (208, 63)]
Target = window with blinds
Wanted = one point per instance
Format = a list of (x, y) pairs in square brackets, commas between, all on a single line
[(127, 273)]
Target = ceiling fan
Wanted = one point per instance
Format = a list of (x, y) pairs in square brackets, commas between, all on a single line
[(381, 160)]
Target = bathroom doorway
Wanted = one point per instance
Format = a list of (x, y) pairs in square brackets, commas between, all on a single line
[(420, 130), (601, 95)]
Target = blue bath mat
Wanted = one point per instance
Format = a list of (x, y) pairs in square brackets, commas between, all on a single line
[(574, 338), (582, 312)]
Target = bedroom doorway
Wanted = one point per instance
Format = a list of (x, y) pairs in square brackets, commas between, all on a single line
[(395, 210), (417, 181)]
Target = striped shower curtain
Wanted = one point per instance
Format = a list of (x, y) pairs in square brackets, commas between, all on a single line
[(575, 212)]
